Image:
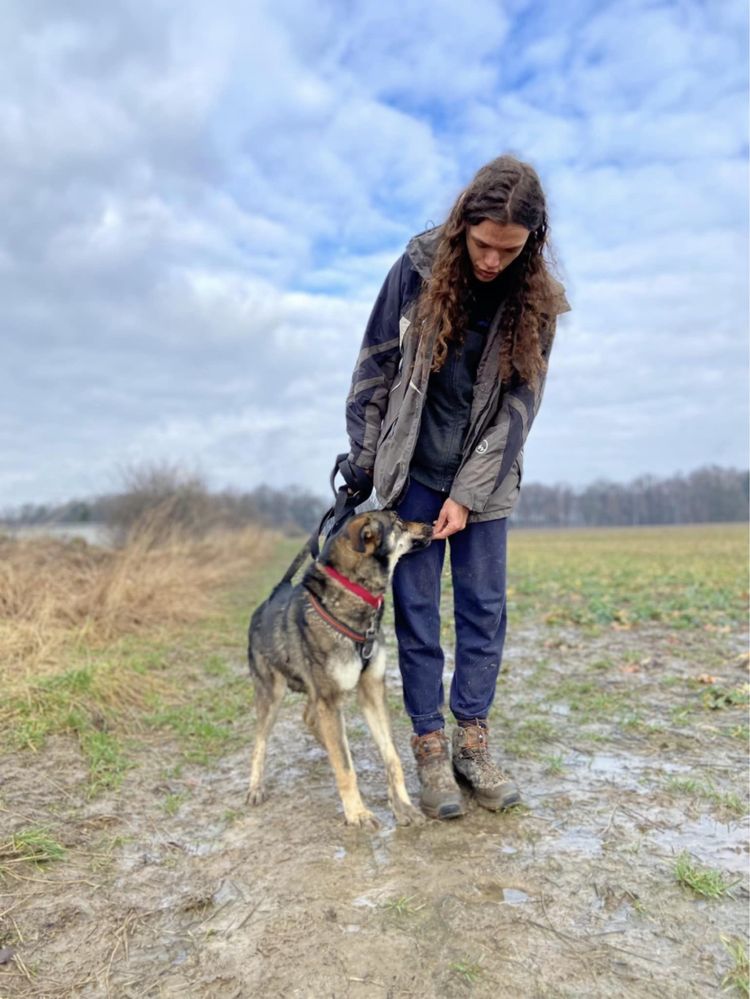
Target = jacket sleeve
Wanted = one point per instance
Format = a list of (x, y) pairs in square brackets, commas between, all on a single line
[(502, 441), (377, 365)]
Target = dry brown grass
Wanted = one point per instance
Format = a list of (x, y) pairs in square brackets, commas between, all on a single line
[(55, 595)]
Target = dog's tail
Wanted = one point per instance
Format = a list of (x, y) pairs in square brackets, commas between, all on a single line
[(252, 664), (264, 621)]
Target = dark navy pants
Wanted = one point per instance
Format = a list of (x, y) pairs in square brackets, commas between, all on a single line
[(477, 559)]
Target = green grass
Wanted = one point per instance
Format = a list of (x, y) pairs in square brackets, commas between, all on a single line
[(704, 881), (738, 975), (684, 785), (588, 698), (528, 738), (680, 715), (681, 577), (633, 720), (554, 764), (208, 725), (602, 665), (105, 757), (217, 666), (671, 681), (715, 698), (468, 969), (34, 844), (80, 702), (173, 802), (702, 790), (402, 906), (110, 685), (102, 856)]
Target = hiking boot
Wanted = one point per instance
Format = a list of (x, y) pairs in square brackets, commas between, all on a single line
[(473, 764), (440, 796)]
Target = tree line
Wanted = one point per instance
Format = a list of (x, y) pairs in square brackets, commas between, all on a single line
[(181, 499), (707, 494)]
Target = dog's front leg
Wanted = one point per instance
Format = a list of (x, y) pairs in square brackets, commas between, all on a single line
[(333, 734), (372, 700)]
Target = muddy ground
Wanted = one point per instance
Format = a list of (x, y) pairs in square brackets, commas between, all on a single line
[(171, 886)]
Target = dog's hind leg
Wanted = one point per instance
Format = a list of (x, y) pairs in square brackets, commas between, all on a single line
[(372, 700), (332, 732), (269, 693)]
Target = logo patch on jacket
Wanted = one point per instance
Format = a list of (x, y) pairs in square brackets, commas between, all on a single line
[(482, 446)]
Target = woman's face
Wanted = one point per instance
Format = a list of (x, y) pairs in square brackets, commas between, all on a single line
[(492, 246)]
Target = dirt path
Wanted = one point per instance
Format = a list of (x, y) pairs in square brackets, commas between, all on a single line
[(172, 887)]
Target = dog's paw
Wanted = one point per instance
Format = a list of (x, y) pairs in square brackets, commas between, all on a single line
[(256, 796), (407, 815), (364, 819)]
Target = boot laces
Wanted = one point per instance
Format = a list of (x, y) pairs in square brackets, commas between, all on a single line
[(474, 749)]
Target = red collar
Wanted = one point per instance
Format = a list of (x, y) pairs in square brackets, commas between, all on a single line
[(353, 587)]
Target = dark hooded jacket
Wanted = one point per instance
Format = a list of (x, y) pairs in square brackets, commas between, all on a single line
[(389, 385)]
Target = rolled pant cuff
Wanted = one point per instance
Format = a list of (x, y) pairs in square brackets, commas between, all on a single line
[(422, 724)]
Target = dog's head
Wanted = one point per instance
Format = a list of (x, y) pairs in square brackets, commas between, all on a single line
[(382, 534)]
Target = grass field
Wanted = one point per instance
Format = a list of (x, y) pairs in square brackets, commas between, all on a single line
[(130, 865), (684, 578)]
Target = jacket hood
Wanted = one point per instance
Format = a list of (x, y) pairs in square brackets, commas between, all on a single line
[(421, 250)]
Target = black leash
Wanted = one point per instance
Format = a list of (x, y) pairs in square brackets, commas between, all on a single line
[(344, 505)]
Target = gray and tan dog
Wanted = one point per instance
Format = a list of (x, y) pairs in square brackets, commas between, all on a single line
[(322, 637)]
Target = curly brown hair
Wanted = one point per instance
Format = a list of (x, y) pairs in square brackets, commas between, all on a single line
[(509, 192)]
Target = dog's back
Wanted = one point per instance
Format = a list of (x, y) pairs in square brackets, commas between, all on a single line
[(274, 646)]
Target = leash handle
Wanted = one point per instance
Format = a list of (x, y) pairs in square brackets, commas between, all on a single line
[(334, 471), (346, 501), (343, 507)]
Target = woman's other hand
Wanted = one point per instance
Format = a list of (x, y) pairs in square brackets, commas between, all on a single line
[(451, 519)]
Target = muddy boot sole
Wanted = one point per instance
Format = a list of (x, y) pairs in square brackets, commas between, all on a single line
[(446, 810), (508, 797)]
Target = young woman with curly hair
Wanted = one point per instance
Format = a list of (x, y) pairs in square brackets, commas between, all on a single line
[(445, 389)]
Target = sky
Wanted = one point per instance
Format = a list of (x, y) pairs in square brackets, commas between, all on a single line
[(199, 203)]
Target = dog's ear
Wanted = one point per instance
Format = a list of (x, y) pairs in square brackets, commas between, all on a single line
[(353, 533), (368, 537)]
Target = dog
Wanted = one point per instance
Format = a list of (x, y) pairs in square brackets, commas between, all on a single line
[(322, 637)]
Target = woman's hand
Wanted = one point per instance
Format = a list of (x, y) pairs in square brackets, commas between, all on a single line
[(451, 519), (358, 480)]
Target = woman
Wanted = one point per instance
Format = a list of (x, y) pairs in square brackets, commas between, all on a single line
[(446, 387)]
